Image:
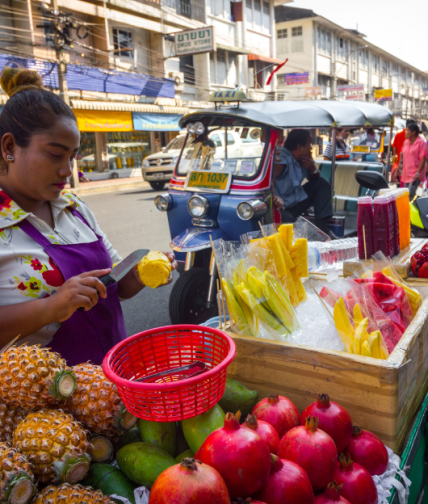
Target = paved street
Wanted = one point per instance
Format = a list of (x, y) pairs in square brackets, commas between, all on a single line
[(131, 221)]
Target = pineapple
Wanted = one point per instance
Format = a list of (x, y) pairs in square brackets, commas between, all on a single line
[(71, 494), (10, 416), (154, 269), (55, 444), (97, 404), (32, 377), (299, 254), (17, 484)]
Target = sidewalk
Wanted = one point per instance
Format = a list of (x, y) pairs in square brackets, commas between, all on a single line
[(110, 185)]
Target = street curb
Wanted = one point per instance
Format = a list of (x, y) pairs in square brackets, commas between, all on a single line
[(84, 191)]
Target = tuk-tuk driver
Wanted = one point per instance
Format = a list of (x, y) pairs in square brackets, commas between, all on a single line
[(297, 182)]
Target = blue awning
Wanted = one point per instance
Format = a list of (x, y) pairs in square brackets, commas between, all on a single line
[(156, 122), (102, 80)]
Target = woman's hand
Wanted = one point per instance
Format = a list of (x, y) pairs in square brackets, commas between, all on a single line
[(278, 202), (416, 176), (81, 291), (171, 258)]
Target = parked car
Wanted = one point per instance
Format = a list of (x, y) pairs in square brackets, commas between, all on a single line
[(157, 168)]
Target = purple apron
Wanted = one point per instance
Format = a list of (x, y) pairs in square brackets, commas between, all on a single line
[(86, 335)]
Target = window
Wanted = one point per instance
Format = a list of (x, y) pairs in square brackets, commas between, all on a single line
[(187, 67), (376, 63), (223, 68), (324, 42), (216, 139), (395, 71), (283, 33), (296, 39), (230, 140), (249, 11), (266, 16), (342, 48), (385, 68), (282, 46), (231, 70), (364, 58), (257, 15), (122, 43)]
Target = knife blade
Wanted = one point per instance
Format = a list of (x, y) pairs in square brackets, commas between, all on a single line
[(119, 271)]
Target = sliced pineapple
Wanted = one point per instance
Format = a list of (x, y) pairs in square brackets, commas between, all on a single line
[(299, 255)]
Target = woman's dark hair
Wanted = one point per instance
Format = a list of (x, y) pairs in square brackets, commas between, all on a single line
[(31, 108), (414, 128), (297, 137)]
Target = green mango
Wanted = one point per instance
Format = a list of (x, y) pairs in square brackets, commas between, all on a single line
[(187, 453), (237, 397), (128, 437), (161, 434), (110, 481), (180, 441), (198, 428), (142, 462)]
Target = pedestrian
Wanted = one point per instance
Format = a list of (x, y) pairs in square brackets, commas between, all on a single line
[(397, 148), (415, 154), (82, 177), (342, 148), (370, 136), (52, 251), (298, 184)]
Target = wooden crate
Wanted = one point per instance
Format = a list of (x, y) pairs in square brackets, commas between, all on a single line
[(382, 396), (401, 262)]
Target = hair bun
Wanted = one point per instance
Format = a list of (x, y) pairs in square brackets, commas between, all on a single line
[(14, 80)]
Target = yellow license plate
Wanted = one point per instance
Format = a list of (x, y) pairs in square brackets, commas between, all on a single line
[(210, 181), (361, 148)]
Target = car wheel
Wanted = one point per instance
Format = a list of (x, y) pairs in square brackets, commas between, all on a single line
[(157, 186), (187, 303)]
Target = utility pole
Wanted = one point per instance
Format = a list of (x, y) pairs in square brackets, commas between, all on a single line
[(62, 80)]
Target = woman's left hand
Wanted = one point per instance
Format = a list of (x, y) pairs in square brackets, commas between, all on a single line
[(416, 176)]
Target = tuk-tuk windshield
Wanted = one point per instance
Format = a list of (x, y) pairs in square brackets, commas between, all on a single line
[(237, 150)]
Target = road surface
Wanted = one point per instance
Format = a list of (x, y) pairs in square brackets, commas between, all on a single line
[(131, 221)]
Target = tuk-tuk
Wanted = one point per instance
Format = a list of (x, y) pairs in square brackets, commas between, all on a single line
[(222, 182)]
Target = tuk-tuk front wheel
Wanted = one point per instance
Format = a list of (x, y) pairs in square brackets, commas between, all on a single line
[(188, 300)]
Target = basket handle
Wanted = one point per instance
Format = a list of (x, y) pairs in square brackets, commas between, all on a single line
[(194, 369)]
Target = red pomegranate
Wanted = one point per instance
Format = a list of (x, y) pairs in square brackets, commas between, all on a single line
[(312, 449), (239, 455), (333, 419), (331, 495), (419, 263), (264, 430), (189, 481), (288, 483), (367, 449), (358, 486), (279, 411), (248, 500)]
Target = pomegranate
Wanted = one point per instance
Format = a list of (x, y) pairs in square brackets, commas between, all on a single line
[(264, 430), (312, 449), (333, 419), (189, 481), (279, 411), (419, 263), (248, 500), (367, 449), (288, 483), (239, 455), (358, 486), (331, 495)]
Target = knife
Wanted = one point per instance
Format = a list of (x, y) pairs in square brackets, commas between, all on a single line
[(119, 271)]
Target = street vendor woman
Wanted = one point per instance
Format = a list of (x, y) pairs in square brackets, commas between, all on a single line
[(52, 251), (297, 182)]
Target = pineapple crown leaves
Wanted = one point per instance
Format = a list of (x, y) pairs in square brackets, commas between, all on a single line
[(63, 385), (65, 470), (21, 479)]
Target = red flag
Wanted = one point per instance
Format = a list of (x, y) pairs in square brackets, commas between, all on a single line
[(274, 72)]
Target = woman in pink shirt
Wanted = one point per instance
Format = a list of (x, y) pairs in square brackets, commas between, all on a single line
[(415, 153)]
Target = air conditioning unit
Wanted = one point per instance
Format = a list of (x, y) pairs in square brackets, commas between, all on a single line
[(179, 80)]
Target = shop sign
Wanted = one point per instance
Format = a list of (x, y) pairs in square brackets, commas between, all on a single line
[(156, 122), (296, 78), (314, 91), (348, 88), (195, 41), (356, 97), (94, 120), (383, 95)]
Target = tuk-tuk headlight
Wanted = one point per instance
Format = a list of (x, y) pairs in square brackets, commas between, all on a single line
[(190, 128), (198, 206), (251, 209), (163, 202), (199, 128)]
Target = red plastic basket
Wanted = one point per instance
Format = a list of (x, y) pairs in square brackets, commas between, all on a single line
[(164, 348)]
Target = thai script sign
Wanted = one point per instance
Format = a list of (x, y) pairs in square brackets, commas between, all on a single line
[(383, 94), (195, 41)]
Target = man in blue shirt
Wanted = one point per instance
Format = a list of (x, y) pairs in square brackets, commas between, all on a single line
[(297, 182)]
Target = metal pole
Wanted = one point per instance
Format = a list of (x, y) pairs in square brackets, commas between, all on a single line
[(388, 166), (333, 167), (30, 19)]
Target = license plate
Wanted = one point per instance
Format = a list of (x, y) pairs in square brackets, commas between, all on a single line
[(158, 175), (209, 181)]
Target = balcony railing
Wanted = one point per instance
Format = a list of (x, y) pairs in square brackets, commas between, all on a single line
[(192, 9)]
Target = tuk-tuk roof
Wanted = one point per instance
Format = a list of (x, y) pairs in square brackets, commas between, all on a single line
[(302, 114)]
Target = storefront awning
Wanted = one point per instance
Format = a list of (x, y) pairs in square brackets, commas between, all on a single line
[(127, 107), (265, 59), (156, 122), (235, 49)]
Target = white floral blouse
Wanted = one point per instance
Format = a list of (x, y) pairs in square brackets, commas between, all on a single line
[(26, 271)]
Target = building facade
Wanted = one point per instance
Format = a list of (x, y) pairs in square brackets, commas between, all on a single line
[(326, 61)]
